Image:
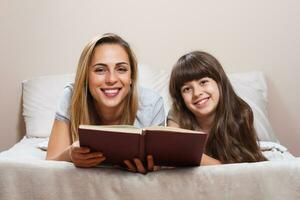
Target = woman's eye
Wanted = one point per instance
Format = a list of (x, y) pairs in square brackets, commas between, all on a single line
[(122, 70), (100, 70)]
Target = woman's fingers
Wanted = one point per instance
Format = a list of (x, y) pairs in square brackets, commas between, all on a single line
[(139, 165), (88, 156), (156, 168), (136, 167), (89, 162), (150, 163), (130, 166), (82, 157), (81, 149)]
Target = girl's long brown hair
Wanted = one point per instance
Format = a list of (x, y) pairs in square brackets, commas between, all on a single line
[(82, 110), (232, 137)]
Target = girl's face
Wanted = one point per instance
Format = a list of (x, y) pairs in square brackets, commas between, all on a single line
[(201, 97), (109, 75)]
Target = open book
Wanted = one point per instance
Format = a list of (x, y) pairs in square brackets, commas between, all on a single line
[(169, 146)]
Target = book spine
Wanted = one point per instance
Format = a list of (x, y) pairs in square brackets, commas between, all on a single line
[(142, 146)]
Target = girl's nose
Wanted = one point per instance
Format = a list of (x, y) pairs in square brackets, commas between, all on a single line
[(198, 91)]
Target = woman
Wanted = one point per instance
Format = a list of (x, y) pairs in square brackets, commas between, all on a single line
[(203, 99), (105, 93)]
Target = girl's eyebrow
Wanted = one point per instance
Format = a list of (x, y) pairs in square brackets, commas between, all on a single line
[(185, 85)]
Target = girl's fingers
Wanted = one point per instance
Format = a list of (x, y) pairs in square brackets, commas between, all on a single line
[(139, 165), (130, 166)]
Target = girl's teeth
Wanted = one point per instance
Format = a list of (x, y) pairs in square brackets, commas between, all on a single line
[(202, 101)]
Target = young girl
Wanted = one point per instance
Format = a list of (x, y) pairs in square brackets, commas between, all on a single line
[(105, 92), (203, 99)]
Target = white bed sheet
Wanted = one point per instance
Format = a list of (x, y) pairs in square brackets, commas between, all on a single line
[(24, 174)]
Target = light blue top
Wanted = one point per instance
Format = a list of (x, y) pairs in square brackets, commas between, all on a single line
[(150, 112)]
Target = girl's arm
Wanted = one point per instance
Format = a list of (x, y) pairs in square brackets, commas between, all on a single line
[(206, 160)]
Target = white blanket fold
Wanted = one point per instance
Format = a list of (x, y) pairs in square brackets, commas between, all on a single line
[(24, 174)]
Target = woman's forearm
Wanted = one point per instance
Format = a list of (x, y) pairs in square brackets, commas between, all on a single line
[(63, 156)]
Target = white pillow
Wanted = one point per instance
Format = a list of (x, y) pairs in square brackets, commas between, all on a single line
[(250, 86), (40, 99), (157, 80), (41, 96)]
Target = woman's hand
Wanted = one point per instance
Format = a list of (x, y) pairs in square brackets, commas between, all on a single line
[(137, 165), (82, 157)]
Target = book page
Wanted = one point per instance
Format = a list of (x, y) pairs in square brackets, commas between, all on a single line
[(172, 129), (113, 128)]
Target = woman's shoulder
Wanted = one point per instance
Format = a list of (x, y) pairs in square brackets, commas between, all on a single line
[(67, 92), (69, 87), (62, 112), (148, 97), (151, 109)]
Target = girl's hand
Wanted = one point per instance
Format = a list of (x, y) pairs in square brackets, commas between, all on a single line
[(207, 160), (82, 157), (139, 167)]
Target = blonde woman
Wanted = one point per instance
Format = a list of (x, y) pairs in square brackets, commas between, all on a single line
[(105, 93)]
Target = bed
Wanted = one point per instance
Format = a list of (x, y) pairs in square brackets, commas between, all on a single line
[(25, 174)]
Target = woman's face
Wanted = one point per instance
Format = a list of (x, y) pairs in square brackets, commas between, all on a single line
[(201, 97), (109, 76)]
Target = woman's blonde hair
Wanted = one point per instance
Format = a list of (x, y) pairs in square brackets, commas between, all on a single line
[(82, 109)]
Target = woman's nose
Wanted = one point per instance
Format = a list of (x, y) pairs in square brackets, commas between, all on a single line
[(111, 78)]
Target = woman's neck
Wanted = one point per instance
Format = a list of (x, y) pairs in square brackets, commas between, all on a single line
[(109, 116)]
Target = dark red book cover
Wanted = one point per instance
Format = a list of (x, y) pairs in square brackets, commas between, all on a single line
[(168, 147), (174, 148)]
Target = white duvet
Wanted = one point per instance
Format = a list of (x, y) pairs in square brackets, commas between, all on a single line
[(24, 174)]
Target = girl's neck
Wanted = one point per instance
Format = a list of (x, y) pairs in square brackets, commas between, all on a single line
[(205, 123), (109, 116)]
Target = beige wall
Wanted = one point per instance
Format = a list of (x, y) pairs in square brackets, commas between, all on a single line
[(46, 37)]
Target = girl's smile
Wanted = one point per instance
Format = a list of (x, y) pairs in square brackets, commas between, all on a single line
[(201, 96)]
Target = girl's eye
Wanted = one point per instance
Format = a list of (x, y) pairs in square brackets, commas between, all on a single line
[(203, 82), (122, 70), (186, 90)]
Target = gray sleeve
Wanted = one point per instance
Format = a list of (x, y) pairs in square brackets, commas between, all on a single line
[(63, 108), (158, 113), (151, 110), (171, 116)]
